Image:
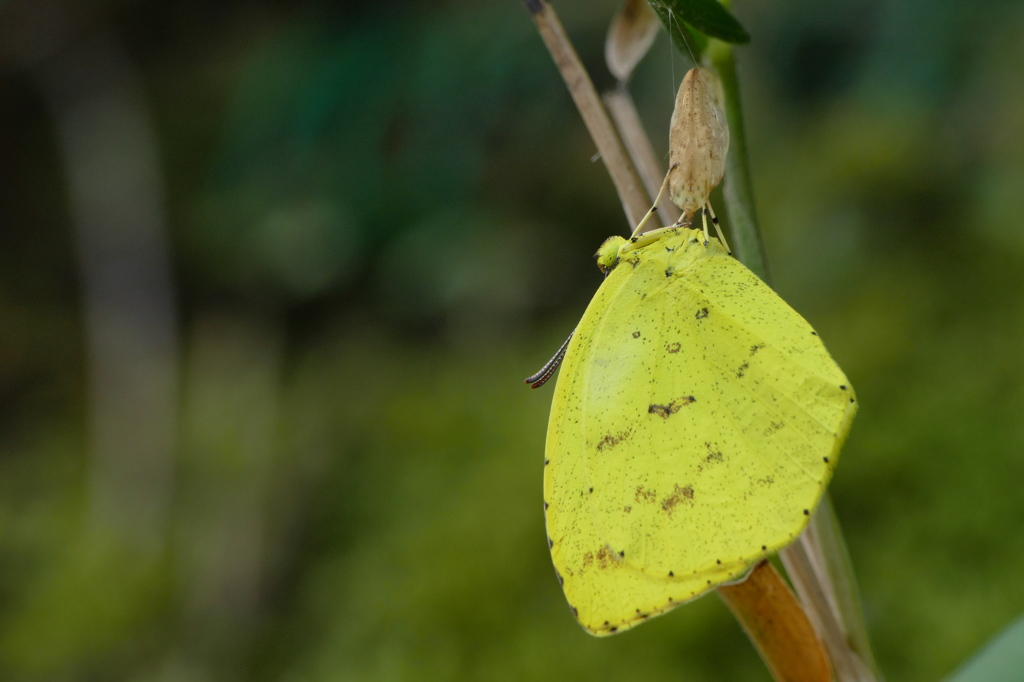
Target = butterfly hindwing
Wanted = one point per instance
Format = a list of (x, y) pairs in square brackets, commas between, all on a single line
[(689, 431)]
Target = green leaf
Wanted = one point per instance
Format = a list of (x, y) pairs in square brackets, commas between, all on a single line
[(1001, 660), (688, 40), (706, 16)]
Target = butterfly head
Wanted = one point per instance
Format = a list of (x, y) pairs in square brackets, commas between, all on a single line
[(608, 255)]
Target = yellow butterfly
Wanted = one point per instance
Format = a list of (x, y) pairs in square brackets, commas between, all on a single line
[(694, 427)]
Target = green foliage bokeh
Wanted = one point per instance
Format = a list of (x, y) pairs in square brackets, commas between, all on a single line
[(381, 220)]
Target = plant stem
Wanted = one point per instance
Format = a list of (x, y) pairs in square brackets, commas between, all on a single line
[(627, 121), (817, 562), (737, 187), (819, 568), (635, 201), (773, 619)]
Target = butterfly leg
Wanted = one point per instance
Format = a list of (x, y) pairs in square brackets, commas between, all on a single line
[(654, 208), (718, 229), (683, 221), (704, 218)]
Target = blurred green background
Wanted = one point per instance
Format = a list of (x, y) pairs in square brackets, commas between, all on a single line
[(272, 273)]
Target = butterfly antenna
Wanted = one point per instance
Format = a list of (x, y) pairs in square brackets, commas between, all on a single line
[(718, 229), (540, 378)]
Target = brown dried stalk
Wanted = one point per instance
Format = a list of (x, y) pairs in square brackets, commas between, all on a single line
[(635, 201)]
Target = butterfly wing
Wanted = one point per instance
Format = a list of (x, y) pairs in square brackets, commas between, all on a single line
[(695, 424)]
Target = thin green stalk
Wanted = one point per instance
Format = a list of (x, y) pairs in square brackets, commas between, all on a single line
[(818, 563), (737, 187)]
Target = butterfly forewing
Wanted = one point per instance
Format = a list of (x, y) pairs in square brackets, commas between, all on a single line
[(694, 426)]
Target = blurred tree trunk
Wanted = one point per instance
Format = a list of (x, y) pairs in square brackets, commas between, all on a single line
[(106, 140)]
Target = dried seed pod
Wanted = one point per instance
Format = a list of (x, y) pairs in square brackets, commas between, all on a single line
[(630, 37), (698, 142)]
